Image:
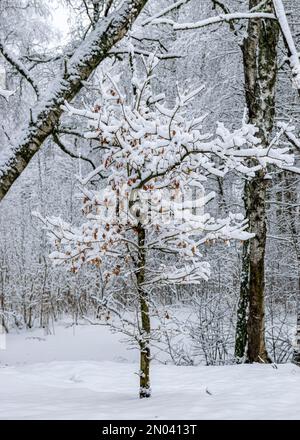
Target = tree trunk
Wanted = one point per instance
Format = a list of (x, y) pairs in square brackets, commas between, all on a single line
[(260, 70), (296, 352), (145, 390), (241, 326), (256, 212)]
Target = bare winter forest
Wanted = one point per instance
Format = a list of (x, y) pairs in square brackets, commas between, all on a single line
[(150, 208)]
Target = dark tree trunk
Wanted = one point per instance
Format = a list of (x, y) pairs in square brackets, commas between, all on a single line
[(260, 69), (296, 352), (256, 212), (241, 326), (145, 390)]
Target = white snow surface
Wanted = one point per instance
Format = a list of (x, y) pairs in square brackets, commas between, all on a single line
[(89, 374)]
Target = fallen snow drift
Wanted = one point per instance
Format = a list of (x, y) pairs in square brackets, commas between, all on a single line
[(107, 387)]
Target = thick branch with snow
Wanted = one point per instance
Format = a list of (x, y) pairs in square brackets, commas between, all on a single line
[(289, 42), (80, 66), (215, 20)]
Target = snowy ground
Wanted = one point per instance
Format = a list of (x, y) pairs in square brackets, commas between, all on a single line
[(89, 374)]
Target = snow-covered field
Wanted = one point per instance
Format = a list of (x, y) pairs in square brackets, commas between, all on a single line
[(89, 374)]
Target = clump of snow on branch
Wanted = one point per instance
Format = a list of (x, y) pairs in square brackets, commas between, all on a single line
[(6, 94), (153, 158), (289, 40)]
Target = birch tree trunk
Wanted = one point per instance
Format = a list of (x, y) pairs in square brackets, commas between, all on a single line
[(260, 70)]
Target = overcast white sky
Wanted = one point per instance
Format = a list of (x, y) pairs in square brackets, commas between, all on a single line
[(60, 17)]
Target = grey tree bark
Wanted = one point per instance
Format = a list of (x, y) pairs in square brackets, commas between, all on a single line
[(242, 310), (260, 71)]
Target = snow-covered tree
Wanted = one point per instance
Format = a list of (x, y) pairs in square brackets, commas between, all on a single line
[(142, 228)]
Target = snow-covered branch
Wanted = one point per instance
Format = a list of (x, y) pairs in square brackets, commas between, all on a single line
[(145, 53), (165, 11), (215, 20), (6, 93), (289, 42), (19, 66), (289, 134), (78, 69), (69, 152), (152, 155)]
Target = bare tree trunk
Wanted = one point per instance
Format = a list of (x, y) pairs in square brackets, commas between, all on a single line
[(145, 390), (260, 70), (3, 272), (241, 326), (256, 212), (296, 352)]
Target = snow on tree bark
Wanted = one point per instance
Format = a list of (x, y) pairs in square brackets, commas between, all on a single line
[(293, 55), (78, 69)]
